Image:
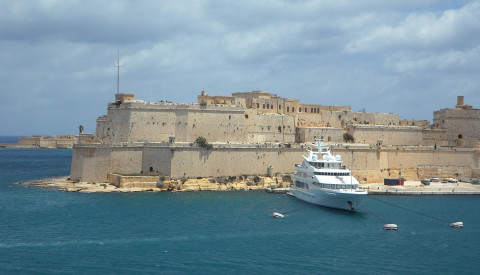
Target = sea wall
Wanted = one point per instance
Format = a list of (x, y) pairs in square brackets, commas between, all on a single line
[(158, 122), (389, 135), (92, 162)]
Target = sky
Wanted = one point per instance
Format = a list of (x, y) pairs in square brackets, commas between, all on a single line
[(58, 58)]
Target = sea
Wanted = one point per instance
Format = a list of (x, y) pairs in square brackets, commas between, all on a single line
[(46, 231)]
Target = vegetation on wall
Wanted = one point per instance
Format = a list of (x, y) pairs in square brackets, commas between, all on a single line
[(348, 138), (202, 142)]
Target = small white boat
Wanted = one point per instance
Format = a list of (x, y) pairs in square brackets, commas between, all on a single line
[(456, 224), (321, 179), (390, 226), (278, 215)]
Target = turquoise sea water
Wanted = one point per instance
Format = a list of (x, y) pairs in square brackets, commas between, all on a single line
[(46, 231)]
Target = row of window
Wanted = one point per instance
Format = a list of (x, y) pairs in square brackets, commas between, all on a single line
[(332, 173), (302, 185), (305, 109), (319, 165), (334, 186)]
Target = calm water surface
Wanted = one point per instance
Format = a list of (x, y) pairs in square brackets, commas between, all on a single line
[(48, 231)]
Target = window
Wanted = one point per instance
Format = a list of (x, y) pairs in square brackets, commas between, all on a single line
[(311, 110), (268, 106), (263, 105), (288, 109), (258, 105), (293, 109), (299, 109), (280, 106)]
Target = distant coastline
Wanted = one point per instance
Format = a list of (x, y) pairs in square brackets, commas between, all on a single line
[(9, 139), (57, 142)]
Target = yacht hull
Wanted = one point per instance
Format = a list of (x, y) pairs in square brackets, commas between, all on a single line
[(342, 200)]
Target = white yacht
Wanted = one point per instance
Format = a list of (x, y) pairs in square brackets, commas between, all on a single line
[(322, 179)]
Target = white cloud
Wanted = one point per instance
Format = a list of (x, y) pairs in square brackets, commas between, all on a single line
[(427, 30), (359, 53)]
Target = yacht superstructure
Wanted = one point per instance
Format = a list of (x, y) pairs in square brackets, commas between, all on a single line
[(322, 179)]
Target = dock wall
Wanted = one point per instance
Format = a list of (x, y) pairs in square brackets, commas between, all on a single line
[(92, 162)]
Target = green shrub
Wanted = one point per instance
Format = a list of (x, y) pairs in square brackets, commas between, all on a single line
[(202, 142), (348, 138)]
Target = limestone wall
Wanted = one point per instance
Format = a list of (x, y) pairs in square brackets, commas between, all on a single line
[(389, 135), (270, 127), (372, 165), (65, 141), (462, 125), (310, 134), (157, 122), (93, 162), (432, 137)]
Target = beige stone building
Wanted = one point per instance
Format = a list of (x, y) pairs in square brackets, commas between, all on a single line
[(462, 124), (258, 133)]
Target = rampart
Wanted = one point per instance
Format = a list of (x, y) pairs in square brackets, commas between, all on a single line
[(157, 122), (369, 164), (387, 135), (259, 133)]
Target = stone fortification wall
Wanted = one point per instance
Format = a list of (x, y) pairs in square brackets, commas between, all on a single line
[(420, 123), (462, 126), (65, 141), (157, 122), (270, 127), (94, 162), (389, 135), (434, 137), (373, 165), (328, 134), (341, 119), (29, 141)]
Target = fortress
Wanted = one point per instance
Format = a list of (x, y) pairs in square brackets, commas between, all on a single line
[(260, 133)]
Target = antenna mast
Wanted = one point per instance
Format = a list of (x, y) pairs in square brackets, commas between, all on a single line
[(118, 71)]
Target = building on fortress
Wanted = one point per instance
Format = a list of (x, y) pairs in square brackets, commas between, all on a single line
[(259, 133), (461, 124)]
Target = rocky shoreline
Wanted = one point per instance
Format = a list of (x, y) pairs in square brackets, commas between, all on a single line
[(204, 184), (260, 184)]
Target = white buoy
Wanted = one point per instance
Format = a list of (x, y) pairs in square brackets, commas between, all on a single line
[(456, 224), (390, 226), (278, 215)]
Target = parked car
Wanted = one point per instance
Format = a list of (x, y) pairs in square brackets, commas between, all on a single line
[(451, 180), (434, 179), (475, 181)]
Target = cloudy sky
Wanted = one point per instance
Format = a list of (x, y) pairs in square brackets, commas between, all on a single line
[(57, 58)]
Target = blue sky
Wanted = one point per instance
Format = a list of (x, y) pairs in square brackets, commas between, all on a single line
[(57, 58)]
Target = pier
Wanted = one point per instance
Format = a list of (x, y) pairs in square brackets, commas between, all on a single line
[(414, 188)]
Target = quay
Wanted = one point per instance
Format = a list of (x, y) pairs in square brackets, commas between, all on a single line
[(414, 188)]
